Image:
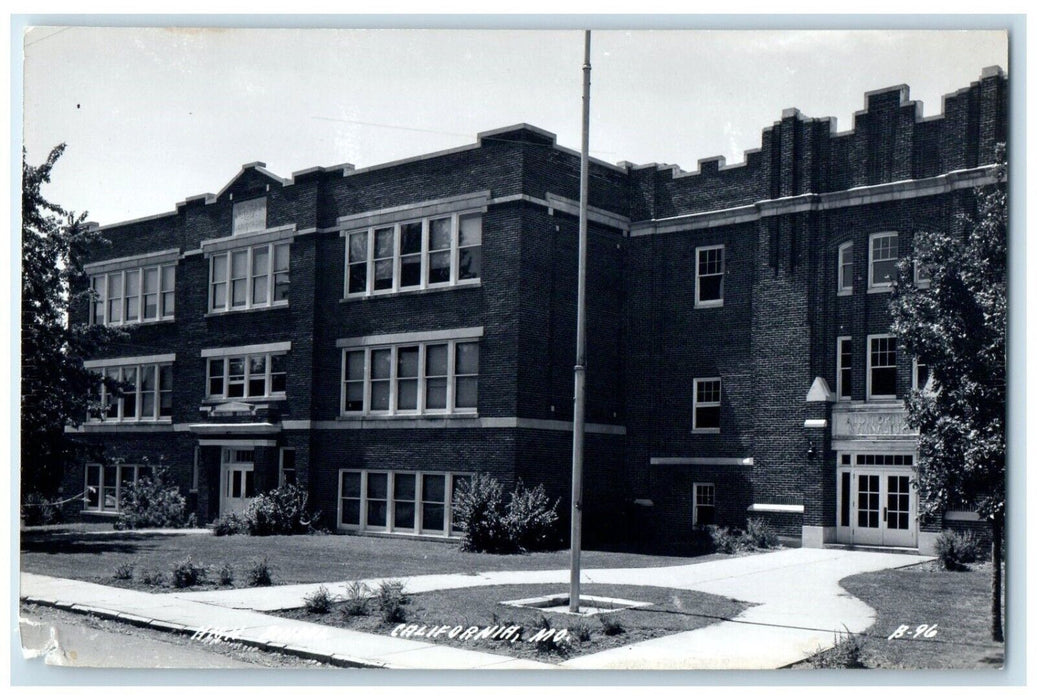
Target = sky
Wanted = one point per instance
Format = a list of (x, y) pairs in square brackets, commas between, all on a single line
[(153, 116)]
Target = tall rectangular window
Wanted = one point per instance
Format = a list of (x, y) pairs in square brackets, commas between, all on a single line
[(709, 276), (430, 252), (920, 374), (883, 254), (846, 268), (704, 506), (882, 367), (249, 216), (252, 278), (844, 368), (706, 405), (287, 467), (137, 295)]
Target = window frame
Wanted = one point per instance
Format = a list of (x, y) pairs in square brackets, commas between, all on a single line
[(696, 404), (268, 375), (226, 258), (840, 369), (425, 255), (916, 269), (881, 285), (872, 367), (844, 285), (281, 470), (695, 504), (100, 485), (422, 378), (701, 303), (916, 385), (141, 271), (119, 402), (450, 478)]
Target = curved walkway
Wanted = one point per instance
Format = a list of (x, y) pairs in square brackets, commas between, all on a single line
[(798, 609)]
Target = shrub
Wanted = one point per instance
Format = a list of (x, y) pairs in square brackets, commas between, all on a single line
[(550, 645), (258, 573), (759, 535), (151, 502), (187, 574), (281, 511), (225, 575), (124, 571), (611, 625), (847, 653), (37, 510), (391, 599), (580, 632), (230, 524), (724, 540), (531, 519), (357, 599), (319, 601), (956, 550), (152, 577)]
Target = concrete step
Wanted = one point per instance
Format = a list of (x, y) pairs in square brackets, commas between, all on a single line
[(872, 548)]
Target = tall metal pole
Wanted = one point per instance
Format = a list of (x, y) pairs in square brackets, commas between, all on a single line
[(579, 370)]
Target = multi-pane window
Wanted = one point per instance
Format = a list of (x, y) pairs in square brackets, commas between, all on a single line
[(287, 467), (105, 484), (709, 276), (414, 378), (249, 216), (706, 405), (138, 295), (882, 367), (424, 253), (846, 268), (247, 376), (255, 277), (147, 393), (882, 260), (844, 368), (411, 502), (920, 374), (704, 507)]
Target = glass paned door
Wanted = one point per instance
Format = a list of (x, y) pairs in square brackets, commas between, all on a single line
[(237, 480)]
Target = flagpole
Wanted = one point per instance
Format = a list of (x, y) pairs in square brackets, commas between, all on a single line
[(580, 369)]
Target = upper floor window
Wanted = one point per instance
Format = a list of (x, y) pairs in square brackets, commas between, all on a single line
[(137, 295), (709, 276), (882, 260), (844, 368), (706, 405), (922, 274), (882, 367), (247, 376), (919, 374), (255, 277), (434, 251), (249, 215), (147, 393), (846, 268), (411, 378)]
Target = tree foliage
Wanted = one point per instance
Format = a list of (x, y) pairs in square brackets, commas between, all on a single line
[(56, 390)]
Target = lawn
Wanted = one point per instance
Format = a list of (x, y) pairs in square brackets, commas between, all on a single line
[(94, 556), (955, 604), (671, 611)]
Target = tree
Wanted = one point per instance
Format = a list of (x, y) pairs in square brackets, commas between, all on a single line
[(57, 391), (957, 327)]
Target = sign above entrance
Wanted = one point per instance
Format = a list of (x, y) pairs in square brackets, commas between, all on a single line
[(856, 422)]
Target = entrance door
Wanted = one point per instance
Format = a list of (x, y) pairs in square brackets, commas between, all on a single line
[(237, 482), (877, 507)]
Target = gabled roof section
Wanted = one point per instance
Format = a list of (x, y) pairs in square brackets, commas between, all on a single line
[(253, 179)]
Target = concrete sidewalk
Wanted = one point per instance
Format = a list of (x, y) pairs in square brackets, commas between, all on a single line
[(799, 609)]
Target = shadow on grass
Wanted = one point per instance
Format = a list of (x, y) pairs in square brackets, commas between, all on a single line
[(77, 542)]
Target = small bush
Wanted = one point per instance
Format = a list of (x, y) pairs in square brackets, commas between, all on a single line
[(319, 601), (611, 625), (124, 571), (37, 510), (282, 511), (956, 550), (531, 520), (357, 599), (230, 524), (391, 599), (550, 645), (258, 573), (724, 540), (580, 632), (186, 573), (759, 535), (152, 577), (847, 653), (225, 574), (151, 502)]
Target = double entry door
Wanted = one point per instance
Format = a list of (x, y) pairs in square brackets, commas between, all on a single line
[(237, 482), (877, 504)]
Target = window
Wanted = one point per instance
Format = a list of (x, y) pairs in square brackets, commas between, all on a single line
[(147, 393), (846, 268), (258, 375), (709, 276), (882, 261), (413, 378), (425, 253), (287, 467), (411, 502), (882, 367), (105, 484), (255, 277), (249, 216), (704, 506), (138, 295), (844, 368), (922, 275), (706, 405), (919, 374)]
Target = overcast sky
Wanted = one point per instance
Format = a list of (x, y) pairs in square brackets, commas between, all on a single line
[(152, 116)]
